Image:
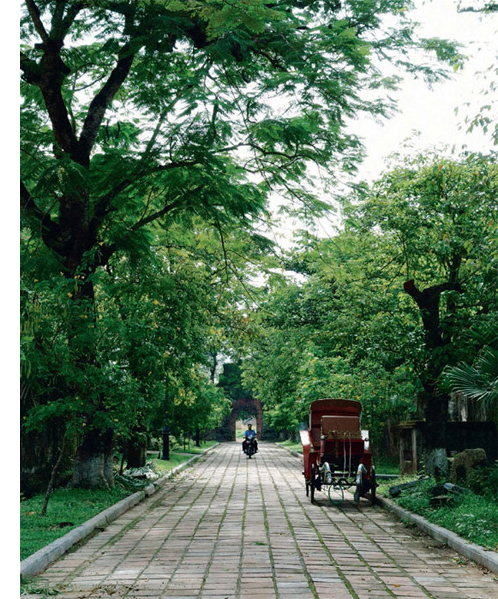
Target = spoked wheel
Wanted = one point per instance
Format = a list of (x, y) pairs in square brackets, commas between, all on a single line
[(358, 491), (373, 484), (336, 493), (312, 483)]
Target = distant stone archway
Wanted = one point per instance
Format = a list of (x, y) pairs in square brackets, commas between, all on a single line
[(246, 404)]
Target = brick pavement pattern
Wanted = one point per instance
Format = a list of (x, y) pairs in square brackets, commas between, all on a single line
[(233, 528)]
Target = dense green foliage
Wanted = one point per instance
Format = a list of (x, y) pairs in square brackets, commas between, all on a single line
[(157, 318), (350, 327), (153, 134), (478, 381)]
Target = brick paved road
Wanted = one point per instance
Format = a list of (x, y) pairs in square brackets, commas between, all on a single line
[(234, 528)]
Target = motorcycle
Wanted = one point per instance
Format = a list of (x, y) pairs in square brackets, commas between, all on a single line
[(250, 448)]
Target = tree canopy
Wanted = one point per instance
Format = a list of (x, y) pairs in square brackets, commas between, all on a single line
[(389, 306), (185, 103), (153, 134)]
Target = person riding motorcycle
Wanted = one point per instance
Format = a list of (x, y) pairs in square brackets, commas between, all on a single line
[(249, 434)]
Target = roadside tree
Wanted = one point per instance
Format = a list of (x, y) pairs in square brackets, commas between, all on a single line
[(134, 111), (441, 216)]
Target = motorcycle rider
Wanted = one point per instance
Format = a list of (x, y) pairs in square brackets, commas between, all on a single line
[(249, 434)]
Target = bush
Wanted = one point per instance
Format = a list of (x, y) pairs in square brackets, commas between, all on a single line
[(484, 481), (417, 499)]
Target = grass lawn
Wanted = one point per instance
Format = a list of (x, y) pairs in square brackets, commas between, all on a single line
[(473, 517), (69, 508), (291, 445), (383, 466)]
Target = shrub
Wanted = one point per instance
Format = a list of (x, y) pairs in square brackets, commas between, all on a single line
[(484, 481)]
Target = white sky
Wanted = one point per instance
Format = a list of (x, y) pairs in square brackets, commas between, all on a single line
[(426, 118), (432, 112)]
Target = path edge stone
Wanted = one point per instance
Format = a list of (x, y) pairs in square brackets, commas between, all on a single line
[(479, 555), (486, 558), (44, 557)]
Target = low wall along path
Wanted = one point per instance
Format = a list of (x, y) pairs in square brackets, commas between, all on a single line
[(233, 528)]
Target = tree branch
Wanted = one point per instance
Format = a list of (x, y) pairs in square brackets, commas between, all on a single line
[(428, 304), (50, 73), (225, 257), (106, 251), (102, 101), (155, 215), (430, 292), (103, 206), (155, 134), (61, 23), (34, 13), (33, 213), (49, 76), (30, 68)]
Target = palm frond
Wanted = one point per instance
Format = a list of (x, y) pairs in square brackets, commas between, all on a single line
[(479, 381)]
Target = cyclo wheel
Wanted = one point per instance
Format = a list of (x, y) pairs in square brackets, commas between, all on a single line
[(373, 484), (312, 483), (336, 493), (358, 491)]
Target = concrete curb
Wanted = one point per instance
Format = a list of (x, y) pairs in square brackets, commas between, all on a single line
[(483, 557), (37, 562)]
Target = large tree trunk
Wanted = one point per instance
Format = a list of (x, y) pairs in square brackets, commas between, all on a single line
[(433, 403), (136, 456), (435, 432), (136, 448), (93, 465), (73, 236)]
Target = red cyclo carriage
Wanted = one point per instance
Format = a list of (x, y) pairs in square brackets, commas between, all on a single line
[(336, 452)]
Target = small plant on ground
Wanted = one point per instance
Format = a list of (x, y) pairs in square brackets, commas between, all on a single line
[(29, 588), (417, 499), (484, 481), (473, 517)]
